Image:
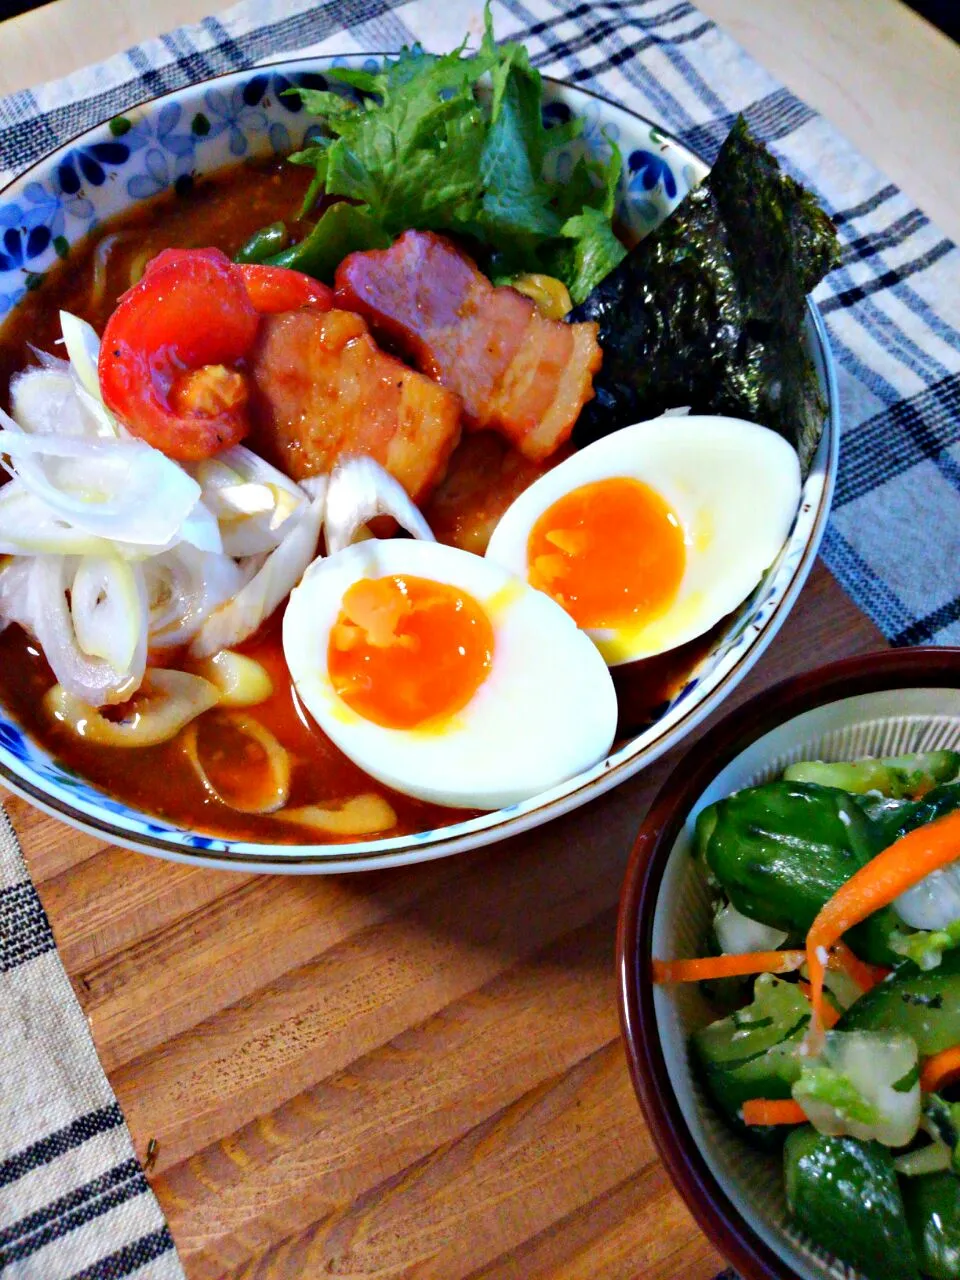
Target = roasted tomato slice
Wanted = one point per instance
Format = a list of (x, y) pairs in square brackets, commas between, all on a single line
[(169, 354), (274, 289)]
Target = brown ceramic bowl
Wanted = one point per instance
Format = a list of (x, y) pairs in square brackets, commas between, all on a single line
[(879, 704)]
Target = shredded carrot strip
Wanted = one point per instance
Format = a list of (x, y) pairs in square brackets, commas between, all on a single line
[(726, 966), (830, 1015), (863, 974), (773, 1111), (943, 1068), (876, 885)]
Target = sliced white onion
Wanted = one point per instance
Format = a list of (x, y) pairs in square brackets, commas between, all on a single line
[(359, 490), (167, 701), (63, 396), (101, 420), (49, 361), (92, 679), (361, 815), (120, 489), (44, 402), (29, 527), (280, 573), (934, 902), (184, 586), (738, 934), (202, 531), (105, 604), (252, 500), (14, 592), (276, 787), (242, 681), (315, 486), (83, 351)]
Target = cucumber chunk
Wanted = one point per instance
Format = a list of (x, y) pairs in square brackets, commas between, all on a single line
[(845, 1195), (753, 1052), (932, 1206), (926, 1006)]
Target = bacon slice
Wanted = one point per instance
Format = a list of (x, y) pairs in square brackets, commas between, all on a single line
[(515, 371), (323, 387)]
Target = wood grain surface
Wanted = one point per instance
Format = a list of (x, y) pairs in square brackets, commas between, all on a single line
[(418, 1073), (413, 1073)]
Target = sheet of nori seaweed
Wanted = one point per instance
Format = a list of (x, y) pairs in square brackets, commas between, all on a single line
[(708, 309)]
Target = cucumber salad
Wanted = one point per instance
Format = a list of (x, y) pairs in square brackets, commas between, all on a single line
[(835, 960)]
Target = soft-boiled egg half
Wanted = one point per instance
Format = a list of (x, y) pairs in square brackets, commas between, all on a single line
[(650, 536), (444, 676)]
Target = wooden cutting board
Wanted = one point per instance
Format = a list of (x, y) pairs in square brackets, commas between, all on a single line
[(413, 1073)]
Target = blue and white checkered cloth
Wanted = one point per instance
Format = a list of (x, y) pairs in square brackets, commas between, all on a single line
[(893, 312), (892, 308)]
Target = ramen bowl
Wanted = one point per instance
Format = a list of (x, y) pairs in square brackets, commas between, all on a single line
[(172, 140)]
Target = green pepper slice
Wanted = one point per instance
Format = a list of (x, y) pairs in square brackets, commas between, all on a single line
[(263, 243)]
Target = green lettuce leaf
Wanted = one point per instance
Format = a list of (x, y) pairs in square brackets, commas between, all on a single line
[(592, 252), (458, 144)]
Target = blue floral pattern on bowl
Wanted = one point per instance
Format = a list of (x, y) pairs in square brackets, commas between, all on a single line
[(249, 114)]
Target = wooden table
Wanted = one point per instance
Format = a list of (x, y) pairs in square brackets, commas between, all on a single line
[(418, 1073)]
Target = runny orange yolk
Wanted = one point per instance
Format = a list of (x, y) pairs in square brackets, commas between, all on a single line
[(611, 553), (405, 651)]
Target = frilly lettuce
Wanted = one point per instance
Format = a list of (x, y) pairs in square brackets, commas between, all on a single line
[(458, 144)]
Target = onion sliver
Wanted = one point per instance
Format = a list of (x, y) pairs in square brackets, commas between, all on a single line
[(202, 531), (102, 421), (276, 790), (105, 604), (14, 592), (934, 902), (251, 499), (119, 489), (361, 815), (167, 701), (44, 402), (184, 586), (280, 573), (91, 679), (359, 490), (83, 351), (48, 361), (29, 527), (242, 681)]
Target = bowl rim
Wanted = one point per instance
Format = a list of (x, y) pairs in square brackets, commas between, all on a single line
[(486, 828), (873, 672)]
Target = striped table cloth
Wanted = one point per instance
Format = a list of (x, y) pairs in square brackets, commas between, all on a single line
[(74, 1201)]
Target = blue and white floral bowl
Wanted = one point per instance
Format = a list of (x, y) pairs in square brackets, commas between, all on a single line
[(167, 143)]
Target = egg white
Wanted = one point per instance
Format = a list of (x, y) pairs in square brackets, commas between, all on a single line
[(735, 489), (546, 711)]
